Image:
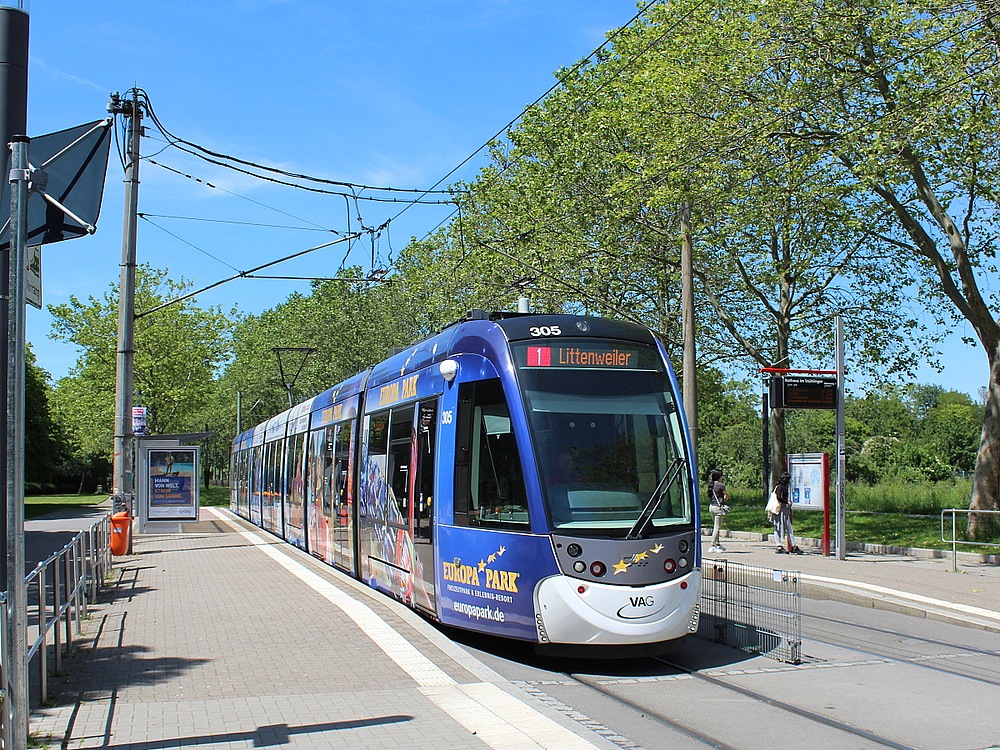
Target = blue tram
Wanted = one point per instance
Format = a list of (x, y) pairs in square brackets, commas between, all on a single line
[(527, 476)]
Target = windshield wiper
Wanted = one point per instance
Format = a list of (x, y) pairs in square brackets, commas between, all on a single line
[(669, 477)]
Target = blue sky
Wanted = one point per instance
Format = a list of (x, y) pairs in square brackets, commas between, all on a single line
[(387, 93)]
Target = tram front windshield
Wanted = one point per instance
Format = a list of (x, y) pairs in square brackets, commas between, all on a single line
[(608, 436)]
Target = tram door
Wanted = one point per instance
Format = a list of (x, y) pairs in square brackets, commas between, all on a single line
[(424, 452)]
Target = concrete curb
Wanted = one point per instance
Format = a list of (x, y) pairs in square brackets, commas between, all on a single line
[(849, 592)]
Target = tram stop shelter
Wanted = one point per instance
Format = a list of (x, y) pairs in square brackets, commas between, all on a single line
[(167, 486)]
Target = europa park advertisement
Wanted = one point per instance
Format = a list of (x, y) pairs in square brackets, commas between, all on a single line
[(487, 580)]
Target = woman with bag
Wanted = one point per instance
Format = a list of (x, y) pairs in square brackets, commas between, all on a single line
[(784, 536), (717, 498)]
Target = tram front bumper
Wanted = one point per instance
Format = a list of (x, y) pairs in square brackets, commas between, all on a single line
[(572, 611)]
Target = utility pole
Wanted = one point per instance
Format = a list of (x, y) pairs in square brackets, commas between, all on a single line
[(841, 542), (15, 659), (690, 395), (123, 486)]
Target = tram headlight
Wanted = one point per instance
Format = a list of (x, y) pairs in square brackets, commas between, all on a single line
[(683, 562), (579, 566), (574, 550), (448, 369), (669, 565), (683, 546), (598, 569)]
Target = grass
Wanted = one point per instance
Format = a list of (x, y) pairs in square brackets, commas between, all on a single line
[(40, 505), (901, 515), (215, 496)]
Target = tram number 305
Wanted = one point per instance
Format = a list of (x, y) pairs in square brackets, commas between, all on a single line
[(545, 331)]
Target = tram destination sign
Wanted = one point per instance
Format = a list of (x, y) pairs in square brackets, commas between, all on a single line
[(803, 392), (586, 354)]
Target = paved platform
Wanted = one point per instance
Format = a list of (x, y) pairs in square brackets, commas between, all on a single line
[(915, 582), (224, 637)]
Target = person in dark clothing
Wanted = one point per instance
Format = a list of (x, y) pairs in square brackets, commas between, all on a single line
[(717, 499)]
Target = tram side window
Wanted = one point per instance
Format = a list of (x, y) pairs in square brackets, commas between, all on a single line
[(320, 461), (341, 444), (489, 482), (376, 470)]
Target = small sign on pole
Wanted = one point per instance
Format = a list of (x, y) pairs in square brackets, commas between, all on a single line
[(140, 420), (33, 276)]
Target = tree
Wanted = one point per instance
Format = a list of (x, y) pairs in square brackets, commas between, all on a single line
[(45, 449), (909, 114), (178, 350), (349, 325), (692, 106)]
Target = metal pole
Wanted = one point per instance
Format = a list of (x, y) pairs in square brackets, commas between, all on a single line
[(690, 395), (765, 427), (13, 121), (16, 703), (841, 444), (123, 479)]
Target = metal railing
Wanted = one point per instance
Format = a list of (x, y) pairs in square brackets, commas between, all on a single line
[(954, 541), (58, 592), (754, 609)]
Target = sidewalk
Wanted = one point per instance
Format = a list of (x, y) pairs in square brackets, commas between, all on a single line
[(907, 581), (224, 637)]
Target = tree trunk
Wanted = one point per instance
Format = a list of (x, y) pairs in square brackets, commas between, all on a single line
[(986, 481)]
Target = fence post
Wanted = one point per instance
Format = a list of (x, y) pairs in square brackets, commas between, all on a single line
[(43, 637), (56, 635), (69, 607), (954, 543)]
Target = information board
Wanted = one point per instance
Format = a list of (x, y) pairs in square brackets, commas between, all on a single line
[(803, 392), (810, 485)]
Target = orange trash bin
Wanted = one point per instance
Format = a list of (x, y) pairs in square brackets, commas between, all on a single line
[(121, 529)]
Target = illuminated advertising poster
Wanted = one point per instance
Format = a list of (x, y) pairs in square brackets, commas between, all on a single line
[(173, 484), (810, 485)]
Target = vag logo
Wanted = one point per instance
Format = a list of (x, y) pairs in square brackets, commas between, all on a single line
[(639, 607)]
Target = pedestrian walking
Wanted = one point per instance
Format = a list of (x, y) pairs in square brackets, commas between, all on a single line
[(718, 498)]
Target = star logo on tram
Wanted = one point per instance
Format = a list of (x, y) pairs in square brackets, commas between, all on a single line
[(620, 567)]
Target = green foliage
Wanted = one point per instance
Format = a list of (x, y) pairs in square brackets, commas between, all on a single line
[(178, 350), (899, 514), (728, 429), (45, 448), (340, 328)]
